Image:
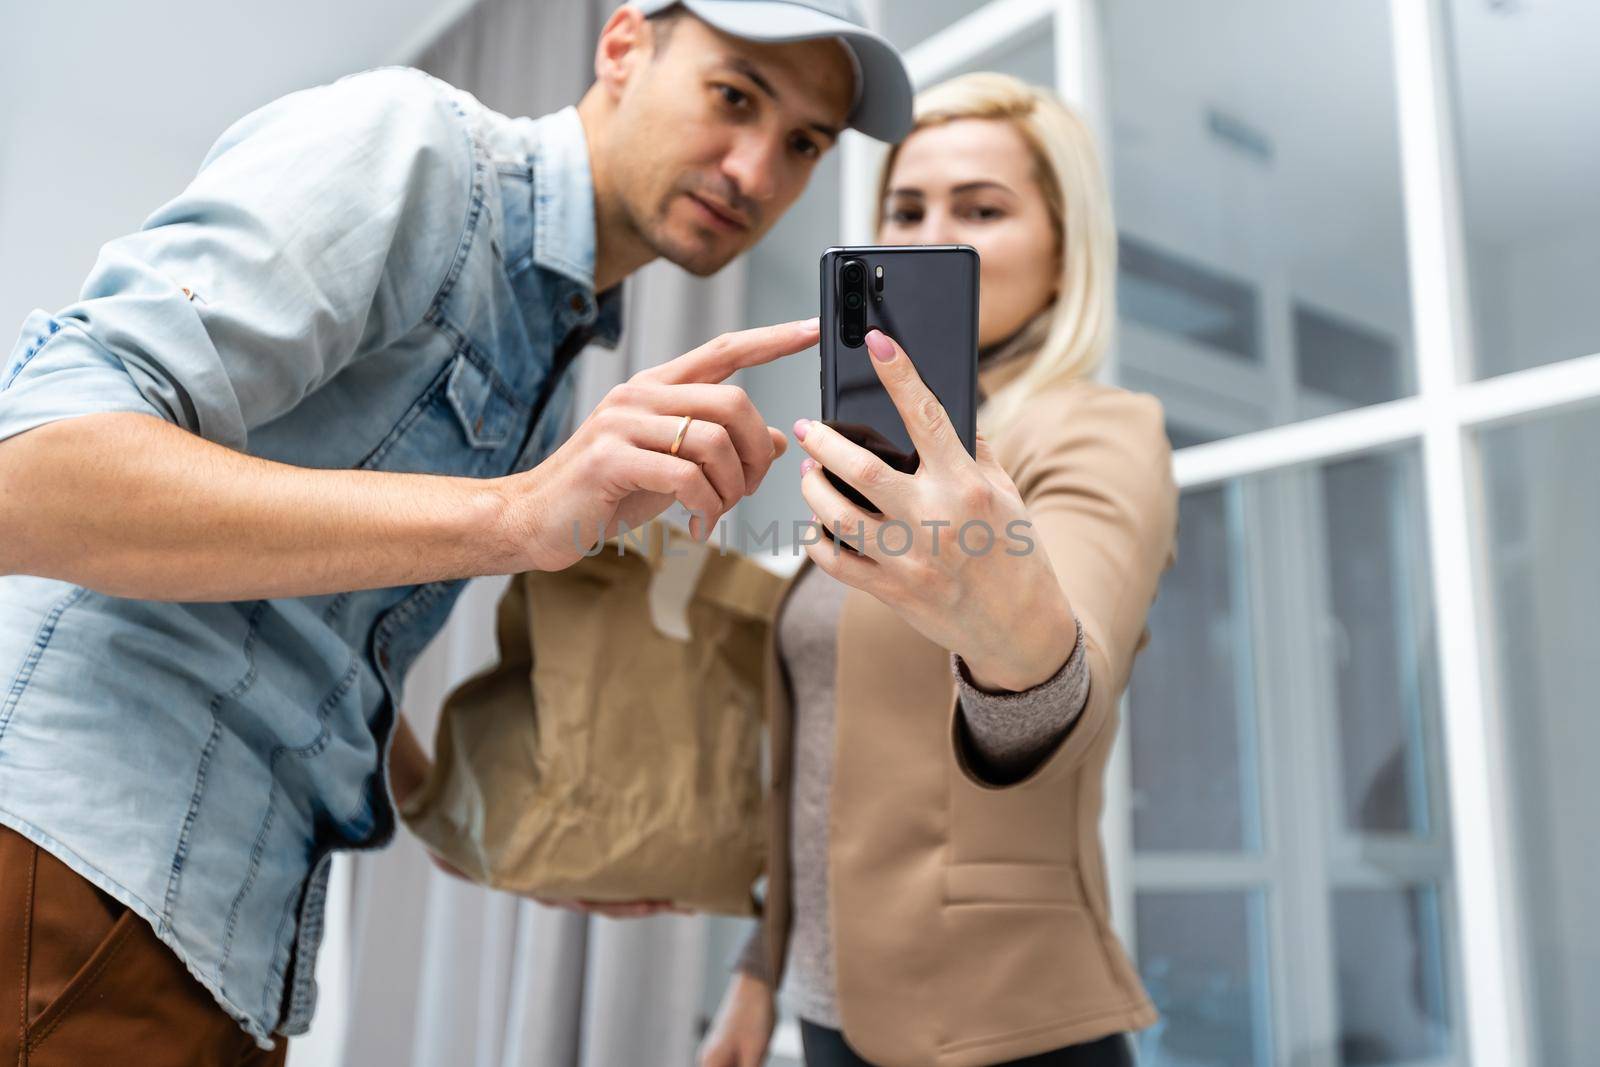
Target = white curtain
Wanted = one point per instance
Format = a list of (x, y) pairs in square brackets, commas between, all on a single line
[(427, 970)]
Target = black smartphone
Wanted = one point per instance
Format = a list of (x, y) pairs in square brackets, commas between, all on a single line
[(926, 298)]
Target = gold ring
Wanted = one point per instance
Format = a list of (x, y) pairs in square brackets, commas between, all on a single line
[(683, 428)]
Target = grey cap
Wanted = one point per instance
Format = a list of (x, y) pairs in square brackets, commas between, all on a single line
[(882, 106)]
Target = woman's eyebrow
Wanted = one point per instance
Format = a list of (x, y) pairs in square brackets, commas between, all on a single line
[(964, 187), (967, 187)]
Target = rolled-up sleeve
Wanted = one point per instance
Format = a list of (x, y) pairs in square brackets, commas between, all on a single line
[(319, 228)]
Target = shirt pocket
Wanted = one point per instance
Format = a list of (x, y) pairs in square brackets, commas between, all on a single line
[(486, 411), (466, 422)]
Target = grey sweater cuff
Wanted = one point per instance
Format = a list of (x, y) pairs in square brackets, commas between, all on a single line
[(753, 959), (1012, 732)]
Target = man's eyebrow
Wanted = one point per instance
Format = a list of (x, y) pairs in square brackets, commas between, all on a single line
[(749, 70)]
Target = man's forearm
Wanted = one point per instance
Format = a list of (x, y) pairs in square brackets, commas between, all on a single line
[(132, 506)]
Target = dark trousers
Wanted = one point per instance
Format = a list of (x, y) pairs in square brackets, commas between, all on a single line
[(84, 980), (826, 1048)]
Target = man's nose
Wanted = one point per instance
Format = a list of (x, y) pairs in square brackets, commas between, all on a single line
[(752, 164)]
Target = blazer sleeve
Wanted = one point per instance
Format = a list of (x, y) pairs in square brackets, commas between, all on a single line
[(1094, 468)]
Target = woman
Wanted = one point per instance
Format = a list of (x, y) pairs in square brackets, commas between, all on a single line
[(937, 893)]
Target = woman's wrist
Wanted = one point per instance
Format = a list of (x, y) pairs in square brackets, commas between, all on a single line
[(1030, 657), (750, 985)]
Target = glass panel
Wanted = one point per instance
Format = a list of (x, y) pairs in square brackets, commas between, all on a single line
[(1543, 505), (1191, 702), (1391, 975), (1283, 728), (1257, 187), (1030, 56), (1182, 435), (906, 24), (1382, 639), (1161, 291), (1528, 108), (1203, 958), (1345, 360)]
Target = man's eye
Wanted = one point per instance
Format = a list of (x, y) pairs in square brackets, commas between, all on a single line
[(807, 147), (733, 97)]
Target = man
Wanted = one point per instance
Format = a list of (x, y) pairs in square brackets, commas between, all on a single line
[(248, 470)]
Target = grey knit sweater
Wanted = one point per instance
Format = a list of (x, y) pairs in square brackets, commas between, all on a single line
[(1010, 732)]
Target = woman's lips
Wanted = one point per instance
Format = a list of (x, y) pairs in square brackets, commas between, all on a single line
[(716, 216)]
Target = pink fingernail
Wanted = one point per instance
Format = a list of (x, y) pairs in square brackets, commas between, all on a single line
[(881, 347), (800, 426), (806, 465)]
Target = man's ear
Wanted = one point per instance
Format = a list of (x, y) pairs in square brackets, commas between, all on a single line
[(626, 41)]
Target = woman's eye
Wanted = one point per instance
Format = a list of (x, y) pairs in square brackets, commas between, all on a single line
[(733, 97), (807, 147), (985, 213), (905, 218)]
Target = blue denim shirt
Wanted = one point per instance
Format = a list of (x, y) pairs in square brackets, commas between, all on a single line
[(379, 273)]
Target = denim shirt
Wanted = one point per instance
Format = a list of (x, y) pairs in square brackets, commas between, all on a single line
[(382, 274)]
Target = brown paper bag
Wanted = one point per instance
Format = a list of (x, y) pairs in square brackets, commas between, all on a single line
[(604, 758)]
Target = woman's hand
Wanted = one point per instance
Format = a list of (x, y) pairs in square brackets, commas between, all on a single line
[(972, 578), (743, 1028)]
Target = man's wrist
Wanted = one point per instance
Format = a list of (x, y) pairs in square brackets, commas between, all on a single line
[(488, 529)]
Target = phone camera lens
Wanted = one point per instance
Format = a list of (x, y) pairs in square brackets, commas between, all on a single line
[(852, 274), (852, 300)]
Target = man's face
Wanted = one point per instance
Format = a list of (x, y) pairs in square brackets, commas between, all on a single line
[(716, 136)]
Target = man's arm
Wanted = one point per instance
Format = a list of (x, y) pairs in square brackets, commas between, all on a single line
[(319, 228), (132, 506)]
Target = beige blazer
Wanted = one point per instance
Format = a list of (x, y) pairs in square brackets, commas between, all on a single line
[(971, 923)]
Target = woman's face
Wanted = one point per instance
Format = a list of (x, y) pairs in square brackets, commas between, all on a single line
[(972, 182)]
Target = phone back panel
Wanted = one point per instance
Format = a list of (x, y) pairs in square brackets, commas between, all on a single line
[(928, 303)]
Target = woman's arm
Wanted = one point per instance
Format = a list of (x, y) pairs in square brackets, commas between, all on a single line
[(1090, 514), (1095, 468), (1010, 733), (753, 958)]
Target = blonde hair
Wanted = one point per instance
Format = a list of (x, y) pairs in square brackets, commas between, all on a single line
[(1077, 326)]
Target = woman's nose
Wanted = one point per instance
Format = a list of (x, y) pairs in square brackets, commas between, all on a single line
[(936, 229)]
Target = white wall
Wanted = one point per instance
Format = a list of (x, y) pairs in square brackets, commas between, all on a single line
[(107, 108)]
